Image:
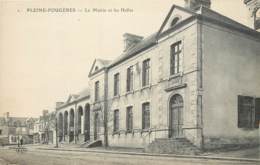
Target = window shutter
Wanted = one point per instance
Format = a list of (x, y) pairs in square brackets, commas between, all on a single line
[(257, 112), (240, 110)]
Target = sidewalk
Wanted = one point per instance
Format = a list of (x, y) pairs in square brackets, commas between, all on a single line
[(247, 155)]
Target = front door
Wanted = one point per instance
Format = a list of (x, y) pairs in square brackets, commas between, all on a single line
[(176, 117)]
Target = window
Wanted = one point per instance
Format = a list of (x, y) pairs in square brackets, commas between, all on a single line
[(116, 84), (129, 119), (129, 79), (146, 116), (97, 91), (174, 21), (146, 70), (0, 132), (116, 120), (175, 64), (248, 112)]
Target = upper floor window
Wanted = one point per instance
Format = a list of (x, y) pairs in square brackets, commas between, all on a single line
[(0, 132), (146, 116), (175, 65), (248, 112), (116, 84), (146, 72), (174, 21), (97, 91), (129, 118), (116, 120), (129, 79)]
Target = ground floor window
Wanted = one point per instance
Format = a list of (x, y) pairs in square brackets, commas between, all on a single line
[(146, 116), (129, 119), (248, 112), (116, 120)]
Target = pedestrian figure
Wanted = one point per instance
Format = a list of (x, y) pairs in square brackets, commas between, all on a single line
[(18, 143), (21, 142)]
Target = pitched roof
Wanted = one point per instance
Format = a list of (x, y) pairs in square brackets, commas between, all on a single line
[(77, 97), (205, 13), (139, 47)]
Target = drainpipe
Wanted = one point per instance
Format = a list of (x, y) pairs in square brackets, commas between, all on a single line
[(105, 107)]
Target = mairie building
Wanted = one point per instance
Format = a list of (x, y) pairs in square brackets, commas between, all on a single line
[(194, 82)]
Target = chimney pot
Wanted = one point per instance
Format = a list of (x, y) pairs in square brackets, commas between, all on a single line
[(195, 4)]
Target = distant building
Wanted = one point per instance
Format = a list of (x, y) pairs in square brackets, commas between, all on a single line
[(195, 80), (14, 128), (44, 131)]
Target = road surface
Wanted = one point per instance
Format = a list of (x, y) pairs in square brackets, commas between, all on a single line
[(49, 157)]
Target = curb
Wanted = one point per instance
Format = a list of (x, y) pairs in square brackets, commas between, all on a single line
[(159, 155)]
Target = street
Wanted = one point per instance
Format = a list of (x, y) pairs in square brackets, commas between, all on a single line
[(50, 157)]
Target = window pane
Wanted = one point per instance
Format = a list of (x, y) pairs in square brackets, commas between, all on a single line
[(116, 120), (146, 116)]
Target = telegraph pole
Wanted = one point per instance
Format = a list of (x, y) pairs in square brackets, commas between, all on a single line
[(56, 129)]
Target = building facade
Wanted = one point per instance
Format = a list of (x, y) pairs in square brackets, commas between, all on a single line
[(45, 128), (12, 129), (196, 78), (74, 117)]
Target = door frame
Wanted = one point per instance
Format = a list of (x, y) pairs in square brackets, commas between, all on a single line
[(180, 109)]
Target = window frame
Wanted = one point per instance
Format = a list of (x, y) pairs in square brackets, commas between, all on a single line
[(175, 56), (116, 84), (97, 89), (116, 121), (130, 78), (129, 119), (146, 116), (146, 72)]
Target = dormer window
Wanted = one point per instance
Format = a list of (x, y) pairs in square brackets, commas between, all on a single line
[(174, 21)]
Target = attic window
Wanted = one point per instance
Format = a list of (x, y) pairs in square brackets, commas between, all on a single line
[(96, 68), (174, 21)]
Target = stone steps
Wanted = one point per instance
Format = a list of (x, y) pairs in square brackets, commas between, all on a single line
[(172, 146)]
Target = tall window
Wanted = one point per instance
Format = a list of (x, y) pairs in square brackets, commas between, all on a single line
[(248, 112), (97, 91), (129, 79), (146, 70), (175, 64), (129, 118), (116, 120), (0, 132), (146, 116), (116, 84)]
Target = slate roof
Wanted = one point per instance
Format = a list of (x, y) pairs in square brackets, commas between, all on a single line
[(139, 47), (77, 97), (205, 13)]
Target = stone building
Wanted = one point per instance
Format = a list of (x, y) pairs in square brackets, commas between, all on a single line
[(194, 82), (74, 118), (44, 130), (14, 128)]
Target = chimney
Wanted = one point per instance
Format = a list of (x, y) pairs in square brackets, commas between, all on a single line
[(254, 13), (58, 104), (130, 40), (45, 112), (195, 4)]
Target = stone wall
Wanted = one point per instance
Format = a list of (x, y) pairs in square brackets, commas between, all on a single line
[(230, 68)]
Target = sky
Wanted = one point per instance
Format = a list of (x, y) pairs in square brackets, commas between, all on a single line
[(46, 56)]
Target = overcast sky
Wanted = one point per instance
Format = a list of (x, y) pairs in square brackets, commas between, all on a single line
[(46, 56)]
